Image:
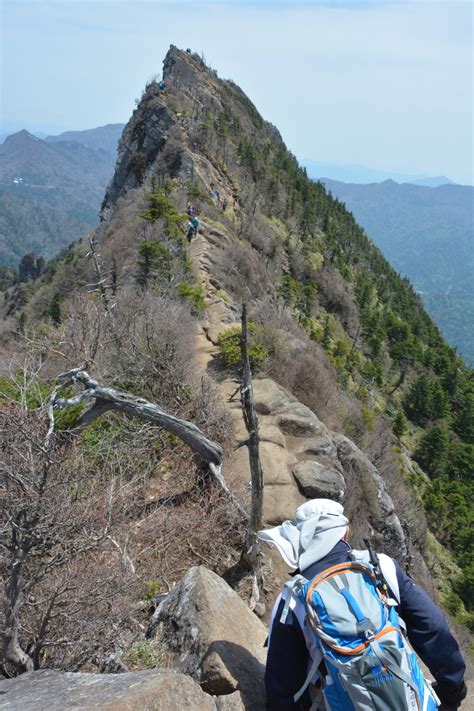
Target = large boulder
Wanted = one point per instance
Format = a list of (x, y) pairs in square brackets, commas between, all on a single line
[(211, 634), (154, 690), (318, 481)]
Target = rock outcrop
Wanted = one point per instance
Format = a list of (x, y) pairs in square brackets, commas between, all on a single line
[(302, 458), (211, 634), (154, 690)]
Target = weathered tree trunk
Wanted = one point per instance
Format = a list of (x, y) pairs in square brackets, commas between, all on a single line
[(111, 399), (12, 651), (100, 284), (251, 553), (106, 399)]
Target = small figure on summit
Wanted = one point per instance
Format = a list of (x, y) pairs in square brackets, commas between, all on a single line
[(162, 85), (344, 632)]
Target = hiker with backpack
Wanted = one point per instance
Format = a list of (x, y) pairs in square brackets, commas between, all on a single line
[(345, 632), (193, 226)]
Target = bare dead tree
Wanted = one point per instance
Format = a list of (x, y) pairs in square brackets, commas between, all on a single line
[(251, 555), (105, 399), (46, 526), (100, 285)]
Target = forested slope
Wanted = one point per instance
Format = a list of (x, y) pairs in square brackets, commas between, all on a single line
[(50, 194), (427, 235)]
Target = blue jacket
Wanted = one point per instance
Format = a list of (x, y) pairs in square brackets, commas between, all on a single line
[(428, 632)]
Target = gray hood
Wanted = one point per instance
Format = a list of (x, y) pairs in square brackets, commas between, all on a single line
[(319, 524)]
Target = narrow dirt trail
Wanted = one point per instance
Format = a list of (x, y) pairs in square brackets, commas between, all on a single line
[(220, 313)]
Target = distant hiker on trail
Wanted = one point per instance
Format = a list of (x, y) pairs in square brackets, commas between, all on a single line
[(193, 226), (191, 209), (337, 637), (217, 194), (224, 203), (212, 185)]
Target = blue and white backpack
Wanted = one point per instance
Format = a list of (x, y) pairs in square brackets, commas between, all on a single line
[(356, 640)]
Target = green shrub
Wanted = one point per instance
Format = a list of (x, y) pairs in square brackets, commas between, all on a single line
[(368, 415), (151, 589), (194, 193), (194, 295), (259, 347), (154, 263), (399, 424), (143, 656)]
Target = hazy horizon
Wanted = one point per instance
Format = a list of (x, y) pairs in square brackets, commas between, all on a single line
[(381, 83)]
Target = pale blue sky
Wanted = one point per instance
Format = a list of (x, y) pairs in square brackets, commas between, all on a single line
[(383, 83)]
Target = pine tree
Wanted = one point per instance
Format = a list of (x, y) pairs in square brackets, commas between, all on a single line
[(399, 424), (432, 451), (326, 339)]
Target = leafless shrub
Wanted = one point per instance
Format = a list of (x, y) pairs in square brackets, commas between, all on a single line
[(336, 296), (146, 340), (242, 274), (90, 525), (56, 519)]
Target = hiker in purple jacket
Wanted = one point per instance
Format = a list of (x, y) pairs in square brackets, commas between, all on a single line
[(288, 658)]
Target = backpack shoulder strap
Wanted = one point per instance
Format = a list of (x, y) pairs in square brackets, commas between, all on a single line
[(389, 572), (387, 567), (293, 601), (291, 594)]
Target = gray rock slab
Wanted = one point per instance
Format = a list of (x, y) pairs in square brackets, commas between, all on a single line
[(382, 517), (270, 397), (213, 636), (319, 481), (153, 690), (276, 464), (280, 503), (231, 702), (319, 446), (299, 425)]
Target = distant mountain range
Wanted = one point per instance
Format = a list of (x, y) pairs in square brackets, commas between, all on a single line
[(103, 138), (51, 190), (427, 235), (364, 175)]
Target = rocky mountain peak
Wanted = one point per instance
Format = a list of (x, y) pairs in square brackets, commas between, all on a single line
[(186, 112), (182, 65), (21, 137)]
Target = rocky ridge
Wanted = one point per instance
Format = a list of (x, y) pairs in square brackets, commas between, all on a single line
[(301, 456)]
